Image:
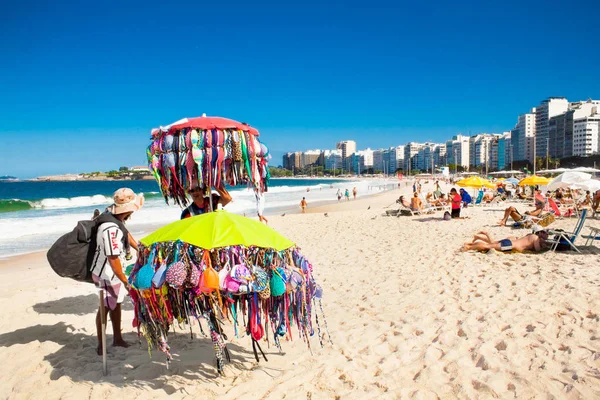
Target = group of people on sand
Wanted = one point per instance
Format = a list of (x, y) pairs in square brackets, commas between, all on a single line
[(454, 199)]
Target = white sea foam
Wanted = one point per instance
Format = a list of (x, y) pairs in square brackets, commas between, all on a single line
[(73, 202)]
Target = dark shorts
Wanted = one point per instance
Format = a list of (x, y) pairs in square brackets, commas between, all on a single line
[(505, 245), (455, 213)]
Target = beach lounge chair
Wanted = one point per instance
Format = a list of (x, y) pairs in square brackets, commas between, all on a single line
[(592, 237), (557, 210), (568, 238), (494, 202), (477, 201)]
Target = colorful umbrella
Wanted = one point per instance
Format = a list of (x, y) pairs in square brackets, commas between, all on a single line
[(206, 152), (205, 122), (220, 266), (534, 180), (219, 229), (475, 182)]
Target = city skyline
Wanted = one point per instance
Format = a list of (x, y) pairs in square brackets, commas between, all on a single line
[(554, 129)]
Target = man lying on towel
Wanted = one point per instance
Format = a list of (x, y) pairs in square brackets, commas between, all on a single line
[(482, 241)]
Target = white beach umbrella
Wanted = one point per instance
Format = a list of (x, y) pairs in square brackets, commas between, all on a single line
[(554, 171), (568, 179), (586, 169), (592, 185)]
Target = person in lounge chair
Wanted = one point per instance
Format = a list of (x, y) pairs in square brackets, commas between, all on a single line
[(415, 203), (441, 201), (517, 216), (402, 200), (482, 241)]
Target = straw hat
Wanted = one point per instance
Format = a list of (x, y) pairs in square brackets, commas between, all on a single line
[(125, 200)]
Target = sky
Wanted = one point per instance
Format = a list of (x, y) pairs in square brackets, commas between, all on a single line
[(82, 84)]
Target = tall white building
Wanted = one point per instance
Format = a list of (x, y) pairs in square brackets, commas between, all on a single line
[(585, 134), (522, 136), (457, 151), (547, 109), (480, 147), (439, 155), (378, 157), (411, 150), (348, 147), (561, 127), (361, 161), (393, 159), (332, 159)]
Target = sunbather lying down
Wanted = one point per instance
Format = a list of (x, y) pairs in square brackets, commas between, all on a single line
[(482, 241), (517, 216)]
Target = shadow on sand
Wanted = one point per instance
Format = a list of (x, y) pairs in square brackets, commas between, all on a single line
[(77, 305), (193, 359)]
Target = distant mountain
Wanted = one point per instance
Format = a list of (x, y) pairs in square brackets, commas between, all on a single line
[(8, 178)]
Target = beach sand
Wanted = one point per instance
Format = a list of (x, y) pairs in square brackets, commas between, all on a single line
[(410, 316)]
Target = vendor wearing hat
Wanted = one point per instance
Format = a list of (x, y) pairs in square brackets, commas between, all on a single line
[(201, 202), (113, 241)]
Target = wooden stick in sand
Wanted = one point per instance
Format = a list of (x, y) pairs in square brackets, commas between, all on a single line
[(103, 319)]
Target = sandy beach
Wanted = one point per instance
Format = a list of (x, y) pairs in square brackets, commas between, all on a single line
[(410, 316)]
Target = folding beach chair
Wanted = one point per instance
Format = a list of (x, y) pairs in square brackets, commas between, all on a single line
[(557, 211), (592, 237), (477, 201), (568, 238)]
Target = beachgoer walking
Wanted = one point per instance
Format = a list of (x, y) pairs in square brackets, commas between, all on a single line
[(260, 206), (201, 203), (354, 192), (347, 194), (113, 243), (303, 205), (339, 194)]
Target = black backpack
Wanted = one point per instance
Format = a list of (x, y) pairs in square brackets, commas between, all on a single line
[(72, 255)]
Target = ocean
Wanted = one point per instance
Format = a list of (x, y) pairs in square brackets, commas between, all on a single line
[(34, 214)]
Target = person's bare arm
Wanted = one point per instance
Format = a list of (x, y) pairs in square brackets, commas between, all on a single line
[(225, 197), (115, 264), (132, 242)]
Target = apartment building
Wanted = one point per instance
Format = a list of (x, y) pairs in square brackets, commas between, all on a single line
[(522, 136), (547, 109), (585, 134), (457, 151)]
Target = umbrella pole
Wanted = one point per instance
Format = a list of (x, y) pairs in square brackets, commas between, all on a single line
[(209, 190), (103, 321)]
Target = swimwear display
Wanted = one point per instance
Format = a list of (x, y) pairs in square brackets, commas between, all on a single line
[(183, 156), (257, 289)]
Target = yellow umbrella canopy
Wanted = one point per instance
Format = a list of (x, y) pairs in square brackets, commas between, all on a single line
[(219, 229), (534, 180), (475, 182)]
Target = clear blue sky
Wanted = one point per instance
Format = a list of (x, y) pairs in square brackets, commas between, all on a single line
[(82, 84)]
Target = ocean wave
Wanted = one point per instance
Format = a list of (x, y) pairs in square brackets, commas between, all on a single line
[(13, 205)]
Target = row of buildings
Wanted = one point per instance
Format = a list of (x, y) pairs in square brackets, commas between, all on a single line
[(556, 128)]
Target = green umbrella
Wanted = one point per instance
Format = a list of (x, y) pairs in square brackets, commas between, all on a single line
[(219, 229)]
